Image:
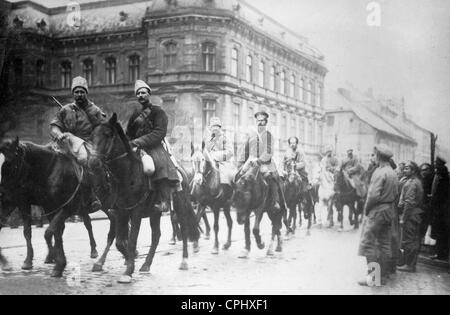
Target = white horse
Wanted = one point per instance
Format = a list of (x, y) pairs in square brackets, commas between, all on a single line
[(326, 194)]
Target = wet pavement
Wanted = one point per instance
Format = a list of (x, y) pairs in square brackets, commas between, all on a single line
[(324, 262)]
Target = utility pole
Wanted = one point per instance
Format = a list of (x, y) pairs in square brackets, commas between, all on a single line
[(433, 148)]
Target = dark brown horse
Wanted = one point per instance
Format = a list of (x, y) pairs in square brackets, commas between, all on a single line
[(292, 193), (209, 192), (346, 195), (251, 195), (37, 175), (133, 199)]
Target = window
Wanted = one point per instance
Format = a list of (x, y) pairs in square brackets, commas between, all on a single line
[(170, 55), (251, 114), (209, 111), (309, 93), (319, 101), (262, 73), (40, 70), (301, 94), (209, 57), (18, 71), (88, 70), (66, 74), (234, 62), (110, 70), (272, 78), (283, 82), (249, 70), (134, 64), (292, 86)]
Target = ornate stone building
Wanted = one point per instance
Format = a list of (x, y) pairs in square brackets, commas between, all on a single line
[(203, 58)]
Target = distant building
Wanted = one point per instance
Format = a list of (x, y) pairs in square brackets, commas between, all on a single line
[(203, 58)]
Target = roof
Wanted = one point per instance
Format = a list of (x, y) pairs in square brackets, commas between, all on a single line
[(341, 104), (102, 15)]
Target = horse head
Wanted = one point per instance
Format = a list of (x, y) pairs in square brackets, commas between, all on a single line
[(108, 142), (243, 197)]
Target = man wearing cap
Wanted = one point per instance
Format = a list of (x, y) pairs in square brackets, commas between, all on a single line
[(259, 151), (75, 122), (439, 205), (329, 162), (410, 205), (221, 151), (295, 158), (147, 128), (72, 127), (376, 235), (353, 171)]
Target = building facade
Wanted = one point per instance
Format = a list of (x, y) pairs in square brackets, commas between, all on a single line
[(202, 58)]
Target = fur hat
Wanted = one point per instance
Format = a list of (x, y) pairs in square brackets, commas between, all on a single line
[(141, 85), (80, 82)]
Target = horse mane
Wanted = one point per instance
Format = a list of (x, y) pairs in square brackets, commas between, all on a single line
[(123, 137)]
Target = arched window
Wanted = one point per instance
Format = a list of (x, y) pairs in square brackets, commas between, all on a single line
[(18, 71), (249, 69), (292, 86), (66, 73), (261, 73), (283, 82), (301, 89), (209, 57), (319, 101), (134, 64), (110, 70), (88, 70), (40, 73), (234, 62), (309, 98), (170, 55), (272, 78)]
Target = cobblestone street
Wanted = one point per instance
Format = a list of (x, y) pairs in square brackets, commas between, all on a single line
[(323, 263)]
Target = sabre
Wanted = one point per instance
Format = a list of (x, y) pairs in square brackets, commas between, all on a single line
[(57, 102)]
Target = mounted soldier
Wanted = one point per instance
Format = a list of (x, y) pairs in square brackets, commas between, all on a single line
[(73, 125), (295, 159), (259, 151), (147, 128), (353, 172), (221, 151)]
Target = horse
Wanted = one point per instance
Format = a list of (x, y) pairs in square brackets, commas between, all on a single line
[(292, 191), (326, 194), (38, 175), (251, 196), (132, 197), (346, 195), (209, 192)]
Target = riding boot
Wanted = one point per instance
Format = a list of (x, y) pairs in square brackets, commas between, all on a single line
[(275, 195), (164, 191)]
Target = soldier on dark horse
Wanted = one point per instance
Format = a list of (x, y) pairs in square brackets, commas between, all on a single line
[(297, 187), (213, 179), (258, 187), (51, 177)]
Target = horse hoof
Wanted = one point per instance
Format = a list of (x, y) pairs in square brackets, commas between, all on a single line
[(226, 246), (261, 246), (97, 267), (340, 230), (144, 269), (207, 237), (244, 254), (215, 251), (184, 266), (57, 274), (279, 249), (270, 253), (196, 248), (49, 262), (7, 268), (27, 266), (94, 254), (308, 233), (125, 279), (172, 243)]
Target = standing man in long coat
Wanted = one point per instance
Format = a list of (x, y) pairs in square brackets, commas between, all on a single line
[(376, 235), (410, 205), (440, 204), (147, 129)]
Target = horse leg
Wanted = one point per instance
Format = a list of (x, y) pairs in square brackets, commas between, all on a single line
[(132, 243), (4, 262), (48, 235), (98, 266), (26, 216), (248, 243), (276, 231), (215, 250), (173, 241), (57, 226), (88, 224), (226, 211), (155, 224), (122, 229), (256, 229), (330, 212)]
